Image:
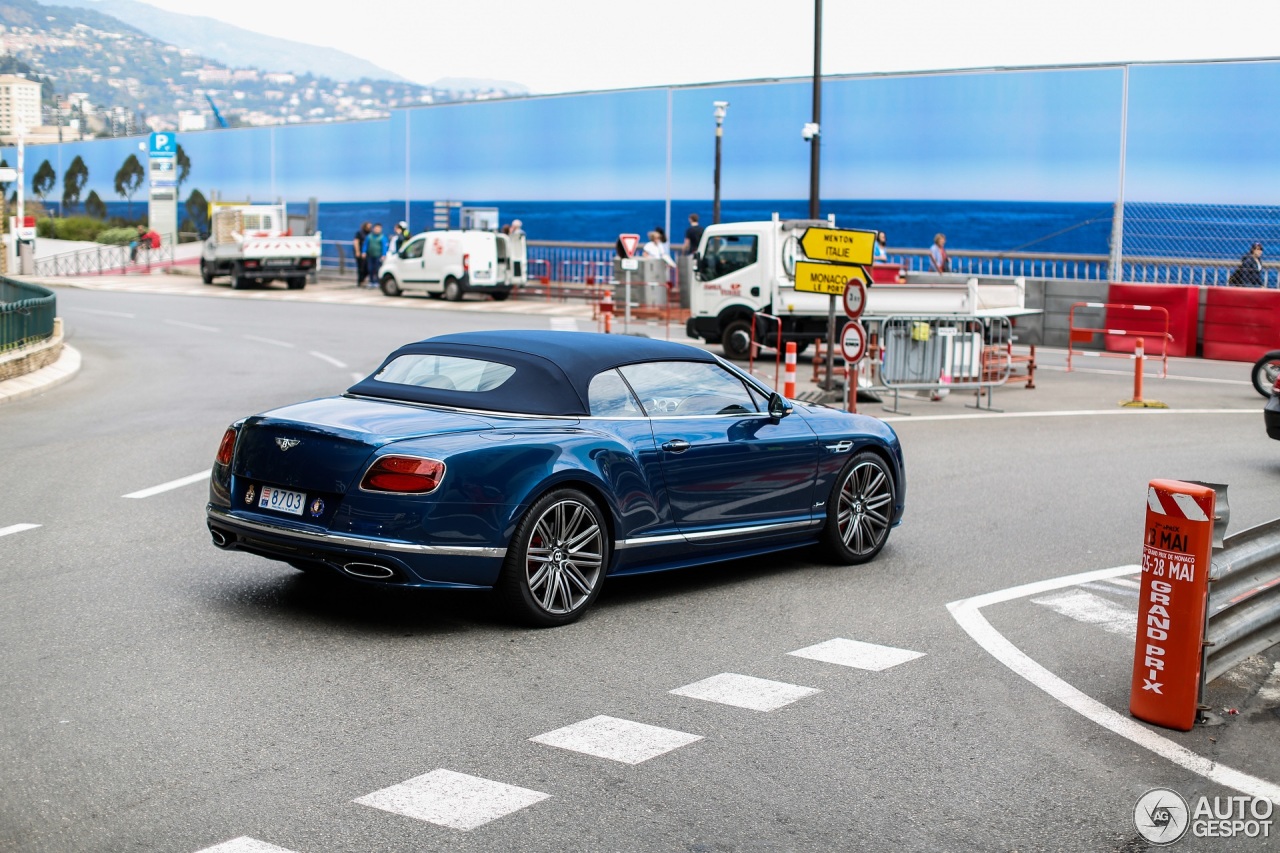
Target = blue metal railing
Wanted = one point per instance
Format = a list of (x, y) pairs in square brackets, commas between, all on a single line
[(26, 313)]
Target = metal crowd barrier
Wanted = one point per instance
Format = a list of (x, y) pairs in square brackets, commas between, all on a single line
[(1085, 334), (26, 313), (1243, 617), (104, 260), (933, 353)]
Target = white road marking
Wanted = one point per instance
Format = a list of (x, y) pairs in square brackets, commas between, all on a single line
[(244, 844), (1127, 583), (330, 359), (617, 740), (1103, 372), (1129, 413), (172, 484), (196, 326), (123, 314), (1092, 610), (451, 799), (744, 691), (271, 341), (17, 528), (564, 324), (356, 377), (1105, 586), (857, 654), (968, 614)]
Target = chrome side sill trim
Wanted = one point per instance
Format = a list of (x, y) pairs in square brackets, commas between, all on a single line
[(719, 533), (225, 517)]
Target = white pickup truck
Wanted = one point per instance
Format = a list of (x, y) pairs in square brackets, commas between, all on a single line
[(252, 244), (747, 267)]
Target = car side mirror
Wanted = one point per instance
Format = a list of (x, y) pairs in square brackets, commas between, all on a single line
[(779, 408)]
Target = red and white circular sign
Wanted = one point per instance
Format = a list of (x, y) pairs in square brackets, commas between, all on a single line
[(855, 298), (853, 342)]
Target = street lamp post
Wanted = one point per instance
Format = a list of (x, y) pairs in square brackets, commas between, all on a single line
[(721, 108)]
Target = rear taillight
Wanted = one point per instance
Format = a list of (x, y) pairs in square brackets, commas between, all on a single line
[(227, 448), (466, 262), (403, 475), (251, 265), (306, 262)]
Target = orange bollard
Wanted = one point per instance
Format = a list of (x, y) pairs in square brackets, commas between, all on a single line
[(608, 324), (1138, 358), (1171, 604), (851, 385), (789, 384)]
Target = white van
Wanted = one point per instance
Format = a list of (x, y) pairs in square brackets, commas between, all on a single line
[(454, 263)]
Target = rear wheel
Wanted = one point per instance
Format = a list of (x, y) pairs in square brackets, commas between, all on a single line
[(1265, 371), (859, 510), (389, 285), (556, 561), (297, 282), (500, 295), (452, 290), (206, 271), (736, 340), (240, 282)]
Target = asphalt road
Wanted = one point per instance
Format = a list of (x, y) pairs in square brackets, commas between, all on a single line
[(159, 694)]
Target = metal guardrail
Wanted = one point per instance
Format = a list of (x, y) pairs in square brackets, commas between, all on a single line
[(952, 352), (26, 313), (1243, 617), (104, 259)]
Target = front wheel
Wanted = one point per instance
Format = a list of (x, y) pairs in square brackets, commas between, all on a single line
[(389, 285), (556, 560), (735, 340), (1265, 371), (859, 510), (206, 272), (452, 290)]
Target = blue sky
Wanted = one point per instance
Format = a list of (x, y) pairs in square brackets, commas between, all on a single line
[(1196, 133)]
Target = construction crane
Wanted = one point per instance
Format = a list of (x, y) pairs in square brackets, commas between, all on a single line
[(222, 122)]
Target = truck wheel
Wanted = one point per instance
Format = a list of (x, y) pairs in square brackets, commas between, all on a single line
[(500, 295), (206, 272), (452, 290), (736, 340), (296, 282), (389, 285), (239, 282)]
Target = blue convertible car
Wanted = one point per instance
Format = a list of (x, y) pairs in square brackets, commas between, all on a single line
[(539, 463)]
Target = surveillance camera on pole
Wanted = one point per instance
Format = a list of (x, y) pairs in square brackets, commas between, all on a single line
[(809, 131)]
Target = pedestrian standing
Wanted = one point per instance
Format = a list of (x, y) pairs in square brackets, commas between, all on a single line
[(692, 234), (357, 245), (938, 256), (399, 236), (881, 248), (1249, 273), (373, 251)]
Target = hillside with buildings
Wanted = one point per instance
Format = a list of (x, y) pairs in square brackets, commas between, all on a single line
[(99, 76)]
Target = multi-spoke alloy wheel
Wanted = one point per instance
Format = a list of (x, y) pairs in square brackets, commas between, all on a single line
[(556, 562), (860, 509)]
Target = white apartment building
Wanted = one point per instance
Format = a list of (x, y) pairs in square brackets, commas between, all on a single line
[(19, 104)]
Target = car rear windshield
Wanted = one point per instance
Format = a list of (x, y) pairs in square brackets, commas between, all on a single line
[(446, 372)]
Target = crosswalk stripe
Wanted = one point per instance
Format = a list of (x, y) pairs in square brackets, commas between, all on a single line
[(857, 654), (1084, 606), (618, 740), (455, 800), (744, 691), (244, 844)]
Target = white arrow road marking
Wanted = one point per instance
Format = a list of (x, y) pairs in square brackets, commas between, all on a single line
[(968, 614), (169, 486), (17, 528)]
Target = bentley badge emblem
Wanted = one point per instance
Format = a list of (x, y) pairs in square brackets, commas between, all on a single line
[(287, 443)]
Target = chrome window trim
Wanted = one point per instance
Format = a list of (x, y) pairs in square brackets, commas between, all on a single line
[(719, 533), (225, 517), (483, 412)]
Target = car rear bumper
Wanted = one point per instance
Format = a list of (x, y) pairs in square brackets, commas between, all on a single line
[(359, 557)]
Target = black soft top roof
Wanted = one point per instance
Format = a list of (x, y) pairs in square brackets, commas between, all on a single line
[(553, 369)]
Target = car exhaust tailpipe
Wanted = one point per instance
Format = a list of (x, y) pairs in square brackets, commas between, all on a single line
[(368, 570), (220, 539)]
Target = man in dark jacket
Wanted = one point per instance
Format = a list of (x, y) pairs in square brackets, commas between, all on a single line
[(357, 247), (1249, 273)]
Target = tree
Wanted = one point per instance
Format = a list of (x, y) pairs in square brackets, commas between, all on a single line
[(73, 182), (94, 206), (198, 211), (4, 185), (43, 181), (128, 179), (183, 163)]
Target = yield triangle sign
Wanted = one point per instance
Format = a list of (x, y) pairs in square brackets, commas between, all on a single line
[(629, 243)]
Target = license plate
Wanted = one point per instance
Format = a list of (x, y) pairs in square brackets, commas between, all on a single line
[(280, 262), (282, 500)]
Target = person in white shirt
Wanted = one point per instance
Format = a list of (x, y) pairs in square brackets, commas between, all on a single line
[(655, 248)]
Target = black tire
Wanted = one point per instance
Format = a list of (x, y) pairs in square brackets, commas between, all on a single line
[(735, 340), (206, 272), (500, 295), (1265, 371), (859, 510), (239, 282), (547, 579), (452, 290), (296, 282), (389, 285)]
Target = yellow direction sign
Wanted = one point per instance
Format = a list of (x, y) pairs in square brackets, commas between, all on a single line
[(826, 278), (839, 245)]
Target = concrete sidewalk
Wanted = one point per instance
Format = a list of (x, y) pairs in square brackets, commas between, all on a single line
[(39, 381)]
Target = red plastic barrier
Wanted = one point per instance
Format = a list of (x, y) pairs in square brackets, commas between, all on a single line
[(1181, 301), (1241, 323), (1171, 605), (886, 274)]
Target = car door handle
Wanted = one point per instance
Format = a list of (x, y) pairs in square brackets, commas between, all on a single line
[(675, 445)]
